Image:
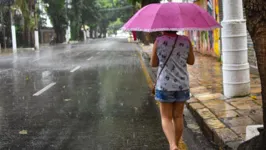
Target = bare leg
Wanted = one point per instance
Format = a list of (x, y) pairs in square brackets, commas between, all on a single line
[(166, 110), (178, 120)]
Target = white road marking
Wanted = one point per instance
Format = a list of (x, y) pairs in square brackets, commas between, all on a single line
[(5, 70), (75, 69), (80, 53), (44, 89), (90, 58)]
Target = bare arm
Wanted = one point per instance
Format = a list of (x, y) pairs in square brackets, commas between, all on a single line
[(154, 58), (191, 57)]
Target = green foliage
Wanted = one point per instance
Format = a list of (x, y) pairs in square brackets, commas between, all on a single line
[(114, 26), (111, 10), (82, 12), (144, 2), (57, 12)]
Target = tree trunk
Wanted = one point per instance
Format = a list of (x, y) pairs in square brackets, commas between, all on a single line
[(256, 23), (91, 32), (260, 46), (95, 32)]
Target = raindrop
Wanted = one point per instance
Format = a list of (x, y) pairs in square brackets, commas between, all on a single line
[(122, 104), (23, 132), (134, 135), (136, 109), (66, 100)]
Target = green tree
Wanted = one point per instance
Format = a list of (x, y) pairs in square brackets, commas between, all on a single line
[(56, 10), (27, 8), (144, 2), (256, 23), (111, 10), (114, 26), (82, 12)]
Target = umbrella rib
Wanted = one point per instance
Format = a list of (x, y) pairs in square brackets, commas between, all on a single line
[(180, 13), (203, 16), (154, 18)]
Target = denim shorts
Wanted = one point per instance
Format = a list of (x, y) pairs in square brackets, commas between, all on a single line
[(172, 96)]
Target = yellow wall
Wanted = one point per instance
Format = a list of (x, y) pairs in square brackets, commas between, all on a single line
[(216, 33)]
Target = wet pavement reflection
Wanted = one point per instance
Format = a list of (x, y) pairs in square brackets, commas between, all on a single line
[(90, 96)]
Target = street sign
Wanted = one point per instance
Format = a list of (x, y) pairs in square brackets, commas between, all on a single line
[(6, 2)]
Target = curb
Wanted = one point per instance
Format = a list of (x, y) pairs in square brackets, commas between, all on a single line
[(210, 133)]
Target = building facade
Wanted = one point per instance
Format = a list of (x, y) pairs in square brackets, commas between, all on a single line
[(208, 42)]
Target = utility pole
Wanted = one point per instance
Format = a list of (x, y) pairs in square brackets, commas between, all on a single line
[(236, 74), (36, 32), (13, 32)]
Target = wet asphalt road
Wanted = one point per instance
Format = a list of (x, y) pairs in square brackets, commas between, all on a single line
[(90, 96)]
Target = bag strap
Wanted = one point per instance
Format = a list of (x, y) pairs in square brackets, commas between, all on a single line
[(167, 58)]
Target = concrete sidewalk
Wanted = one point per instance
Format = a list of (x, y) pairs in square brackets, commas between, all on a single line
[(222, 120)]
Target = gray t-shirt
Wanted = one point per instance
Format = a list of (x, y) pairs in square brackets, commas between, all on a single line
[(174, 76)]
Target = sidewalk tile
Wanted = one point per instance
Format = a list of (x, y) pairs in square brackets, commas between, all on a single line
[(227, 114), (234, 144), (259, 102), (239, 99), (238, 121), (205, 113), (193, 84), (254, 76), (218, 105), (195, 106), (225, 135), (243, 136), (239, 130), (255, 90), (247, 112), (214, 123), (252, 85), (213, 103), (206, 97), (200, 89), (257, 117), (245, 104), (259, 98)]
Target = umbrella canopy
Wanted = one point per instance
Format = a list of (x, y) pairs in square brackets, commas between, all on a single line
[(171, 17)]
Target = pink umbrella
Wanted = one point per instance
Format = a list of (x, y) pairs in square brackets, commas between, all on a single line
[(171, 17)]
